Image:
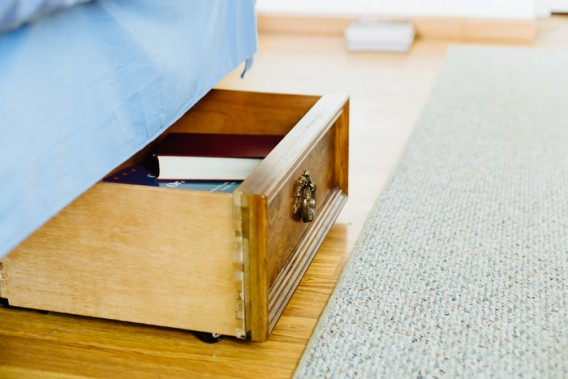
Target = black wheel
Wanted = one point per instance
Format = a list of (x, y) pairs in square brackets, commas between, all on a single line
[(209, 337)]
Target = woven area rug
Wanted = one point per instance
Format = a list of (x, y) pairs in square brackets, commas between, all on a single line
[(462, 267)]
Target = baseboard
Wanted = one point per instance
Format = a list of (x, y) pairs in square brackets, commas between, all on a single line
[(458, 29)]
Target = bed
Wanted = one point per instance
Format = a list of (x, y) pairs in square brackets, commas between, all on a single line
[(84, 87)]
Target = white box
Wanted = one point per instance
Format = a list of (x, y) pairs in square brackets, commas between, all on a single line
[(385, 36)]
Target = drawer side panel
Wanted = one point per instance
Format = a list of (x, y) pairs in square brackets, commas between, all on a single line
[(133, 253)]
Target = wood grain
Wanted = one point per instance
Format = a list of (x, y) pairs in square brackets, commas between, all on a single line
[(133, 253), (282, 225), (245, 113), (270, 232), (2, 281), (255, 238), (241, 112), (289, 276)]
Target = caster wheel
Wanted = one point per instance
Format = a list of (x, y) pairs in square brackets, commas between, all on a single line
[(209, 337)]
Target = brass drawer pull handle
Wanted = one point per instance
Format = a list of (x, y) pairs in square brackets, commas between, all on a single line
[(305, 198)]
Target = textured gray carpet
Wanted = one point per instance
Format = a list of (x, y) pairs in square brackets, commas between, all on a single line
[(462, 268)]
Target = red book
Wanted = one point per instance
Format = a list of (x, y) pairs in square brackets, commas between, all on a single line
[(193, 156)]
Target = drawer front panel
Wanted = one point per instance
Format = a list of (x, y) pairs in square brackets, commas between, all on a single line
[(284, 228), (277, 245)]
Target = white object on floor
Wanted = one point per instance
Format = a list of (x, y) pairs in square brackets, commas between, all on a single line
[(386, 36)]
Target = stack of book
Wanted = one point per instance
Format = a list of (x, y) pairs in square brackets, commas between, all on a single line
[(211, 156), (206, 162)]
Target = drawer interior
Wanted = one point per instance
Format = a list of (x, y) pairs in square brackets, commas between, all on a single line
[(235, 112)]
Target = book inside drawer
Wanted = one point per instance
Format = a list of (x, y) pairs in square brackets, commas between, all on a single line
[(233, 112)]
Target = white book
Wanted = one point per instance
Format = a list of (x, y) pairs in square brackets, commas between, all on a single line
[(205, 156), (387, 36), (206, 168)]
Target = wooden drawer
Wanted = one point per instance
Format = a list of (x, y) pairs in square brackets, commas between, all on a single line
[(212, 262)]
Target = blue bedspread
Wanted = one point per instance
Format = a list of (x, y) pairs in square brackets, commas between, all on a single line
[(84, 88)]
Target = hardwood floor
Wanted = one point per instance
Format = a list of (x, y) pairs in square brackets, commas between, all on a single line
[(388, 92)]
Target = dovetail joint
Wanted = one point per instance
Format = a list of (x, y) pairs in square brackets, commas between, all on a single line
[(2, 280)]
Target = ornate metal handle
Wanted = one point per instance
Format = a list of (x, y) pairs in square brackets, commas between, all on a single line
[(304, 207)]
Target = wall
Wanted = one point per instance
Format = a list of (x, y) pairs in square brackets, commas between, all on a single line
[(559, 6)]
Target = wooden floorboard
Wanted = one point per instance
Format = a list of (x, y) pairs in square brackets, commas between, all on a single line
[(388, 91)]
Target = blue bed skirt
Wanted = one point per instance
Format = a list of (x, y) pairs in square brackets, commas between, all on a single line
[(84, 88)]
